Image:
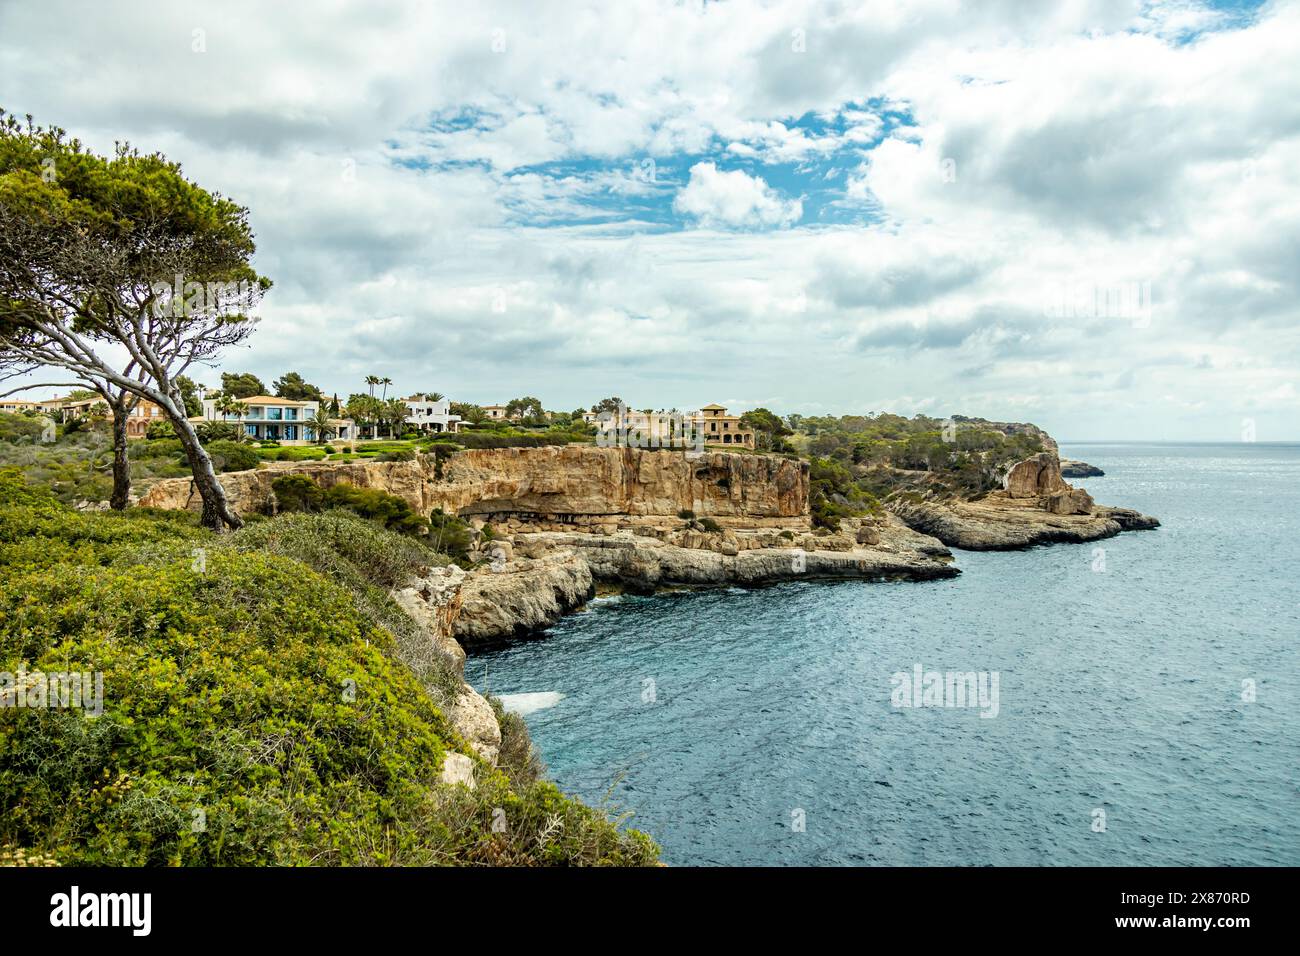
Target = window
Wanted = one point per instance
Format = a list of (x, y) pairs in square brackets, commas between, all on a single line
[(291, 432), (290, 414), (250, 430), (273, 414)]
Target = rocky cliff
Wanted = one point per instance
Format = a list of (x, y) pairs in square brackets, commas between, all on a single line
[(572, 485)]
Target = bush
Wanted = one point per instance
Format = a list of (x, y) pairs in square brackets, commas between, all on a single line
[(686, 514), (291, 453), (252, 689), (504, 440), (159, 430), (20, 428), (449, 535), (708, 524), (155, 448), (297, 493), (218, 431), (233, 456), (389, 510)]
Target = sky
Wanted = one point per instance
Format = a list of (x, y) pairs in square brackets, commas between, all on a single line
[(1083, 214)]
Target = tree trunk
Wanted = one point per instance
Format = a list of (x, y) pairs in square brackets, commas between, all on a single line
[(216, 507), (121, 464)]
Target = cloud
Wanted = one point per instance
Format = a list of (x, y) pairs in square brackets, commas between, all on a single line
[(734, 199), (680, 201)]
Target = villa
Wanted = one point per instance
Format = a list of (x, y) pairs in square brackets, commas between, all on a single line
[(141, 417), (712, 421), (496, 413), (721, 428), (431, 416), (10, 407), (284, 420)]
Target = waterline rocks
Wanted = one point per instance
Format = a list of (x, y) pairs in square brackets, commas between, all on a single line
[(1001, 523), (1072, 468), (516, 597)]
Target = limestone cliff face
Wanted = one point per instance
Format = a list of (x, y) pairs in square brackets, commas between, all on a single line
[(1035, 476), (576, 484), (582, 481)]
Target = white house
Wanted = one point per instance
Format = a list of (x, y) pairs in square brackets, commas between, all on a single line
[(430, 416), (288, 421)]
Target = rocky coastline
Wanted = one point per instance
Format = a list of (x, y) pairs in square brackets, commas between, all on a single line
[(567, 520)]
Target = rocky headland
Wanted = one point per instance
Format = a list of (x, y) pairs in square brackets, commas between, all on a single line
[(1034, 506)]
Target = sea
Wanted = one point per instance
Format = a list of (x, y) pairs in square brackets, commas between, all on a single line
[(1131, 701)]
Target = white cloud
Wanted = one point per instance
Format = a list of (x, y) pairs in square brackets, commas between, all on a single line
[(1085, 145), (734, 199)]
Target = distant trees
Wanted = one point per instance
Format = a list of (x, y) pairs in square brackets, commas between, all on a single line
[(230, 407), (528, 410), (291, 385), (769, 431), (608, 405), (321, 426), (241, 384), (366, 410), (468, 412), (393, 413)]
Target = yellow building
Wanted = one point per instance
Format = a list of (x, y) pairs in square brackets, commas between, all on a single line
[(722, 429)]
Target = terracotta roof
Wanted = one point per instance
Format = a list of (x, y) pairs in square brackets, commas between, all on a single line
[(707, 407)]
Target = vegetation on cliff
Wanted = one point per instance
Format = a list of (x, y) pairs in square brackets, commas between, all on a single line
[(860, 461), (256, 709)]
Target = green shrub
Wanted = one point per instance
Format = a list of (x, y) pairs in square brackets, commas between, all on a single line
[(449, 535), (20, 428), (160, 430), (232, 456), (297, 493), (686, 514), (517, 758), (291, 453), (218, 431), (389, 510), (155, 448), (250, 693), (708, 524)]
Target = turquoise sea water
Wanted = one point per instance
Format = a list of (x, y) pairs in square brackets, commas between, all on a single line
[(756, 727)]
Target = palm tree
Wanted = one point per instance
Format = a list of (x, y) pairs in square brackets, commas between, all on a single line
[(434, 396), (322, 426), (394, 414), (228, 405), (372, 381), (383, 396)]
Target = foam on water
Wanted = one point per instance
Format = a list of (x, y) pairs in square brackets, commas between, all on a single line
[(525, 704)]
